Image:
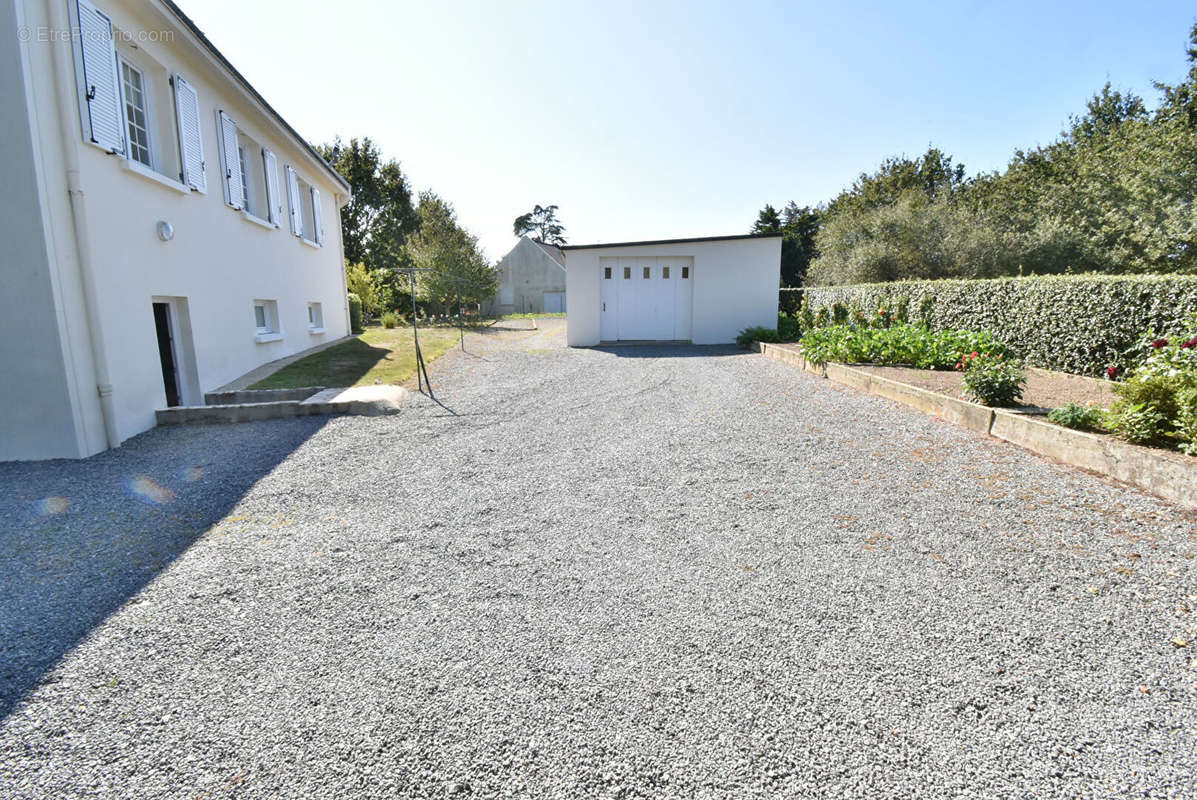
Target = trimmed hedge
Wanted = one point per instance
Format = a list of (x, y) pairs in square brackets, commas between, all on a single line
[(789, 299), (1073, 323)]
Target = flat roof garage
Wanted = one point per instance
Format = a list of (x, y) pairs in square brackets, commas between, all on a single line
[(702, 290)]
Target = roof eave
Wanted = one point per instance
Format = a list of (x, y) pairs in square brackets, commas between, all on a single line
[(245, 84), (650, 242)]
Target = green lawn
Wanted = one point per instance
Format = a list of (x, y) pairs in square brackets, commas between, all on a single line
[(379, 354)]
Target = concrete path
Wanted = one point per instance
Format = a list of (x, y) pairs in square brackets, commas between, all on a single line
[(625, 572)]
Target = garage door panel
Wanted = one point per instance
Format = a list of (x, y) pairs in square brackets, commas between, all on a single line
[(645, 298)]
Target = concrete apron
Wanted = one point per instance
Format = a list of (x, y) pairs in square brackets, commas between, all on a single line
[(251, 405), (1171, 476)]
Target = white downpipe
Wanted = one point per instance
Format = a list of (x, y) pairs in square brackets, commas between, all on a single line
[(64, 68)]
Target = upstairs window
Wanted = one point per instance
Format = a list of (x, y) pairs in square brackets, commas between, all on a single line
[(250, 172), (137, 115), (130, 105), (306, 216)]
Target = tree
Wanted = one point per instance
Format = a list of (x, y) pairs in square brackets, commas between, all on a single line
[(543, 224), (448, 256), (364, 284), (767, 221), (379, 217), (799, 226)]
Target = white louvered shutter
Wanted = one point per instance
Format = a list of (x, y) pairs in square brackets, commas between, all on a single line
[(293, 202), (274, 202), (317, 220), (191, 143), (234, 182), (101, 81)]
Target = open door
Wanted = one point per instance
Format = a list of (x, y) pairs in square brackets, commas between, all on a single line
[(166, 353)]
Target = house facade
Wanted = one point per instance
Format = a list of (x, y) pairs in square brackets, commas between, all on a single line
[(531, 280), (167, 231), (703, 291)]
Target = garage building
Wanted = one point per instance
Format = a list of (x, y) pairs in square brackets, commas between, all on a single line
[(703, 291)]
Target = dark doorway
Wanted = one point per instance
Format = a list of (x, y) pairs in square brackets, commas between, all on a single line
[(166, 353)]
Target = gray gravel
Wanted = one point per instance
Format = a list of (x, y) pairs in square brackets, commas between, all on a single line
[(625, 573)]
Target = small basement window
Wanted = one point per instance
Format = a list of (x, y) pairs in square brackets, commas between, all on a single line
[(315, 318), (266, 321)]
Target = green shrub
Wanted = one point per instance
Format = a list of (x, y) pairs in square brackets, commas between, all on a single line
[(991, 379), (1157, 403), (1075, 415), (390, 320), (1145, 409), (789, 299), (789, 329), (355, 313), (758, 334), (1075, 323), (1138, 423), (899, 344), (1186, 421)]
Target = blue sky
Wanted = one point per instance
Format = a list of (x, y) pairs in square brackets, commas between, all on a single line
[(654, 120)]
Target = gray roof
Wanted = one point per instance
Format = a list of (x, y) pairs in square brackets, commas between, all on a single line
[(554, 252)]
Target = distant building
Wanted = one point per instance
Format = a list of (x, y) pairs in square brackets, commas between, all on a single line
[(531, 280)]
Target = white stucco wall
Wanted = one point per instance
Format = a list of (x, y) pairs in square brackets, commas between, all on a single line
[(735, 286), (218, 260)]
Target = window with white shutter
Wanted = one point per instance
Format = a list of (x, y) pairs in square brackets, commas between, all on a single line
[(191, 143), (100, 84), (230, 162), (318, 222), (274, 202), (293, 201)]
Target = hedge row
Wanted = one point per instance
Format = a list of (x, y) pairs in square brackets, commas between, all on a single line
[(1074, 323), (789, 299)]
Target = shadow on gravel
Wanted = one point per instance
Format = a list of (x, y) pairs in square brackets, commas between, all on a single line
[(80, 538), (657, 350)]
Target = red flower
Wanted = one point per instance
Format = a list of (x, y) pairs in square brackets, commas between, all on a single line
[(1158, 343), (1112, 373), (974, 354), (1189, 344)]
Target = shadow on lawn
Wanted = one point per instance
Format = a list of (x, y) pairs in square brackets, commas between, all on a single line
[(80, 538), (340, 365)]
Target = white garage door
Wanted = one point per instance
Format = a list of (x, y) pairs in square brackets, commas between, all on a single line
[(645, 299)]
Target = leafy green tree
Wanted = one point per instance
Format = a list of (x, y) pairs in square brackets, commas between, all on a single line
[(379, 217), (448, 256), (542, 223), (365, 284)]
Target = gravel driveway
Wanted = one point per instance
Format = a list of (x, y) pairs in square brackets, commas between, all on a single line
[(594, 573)]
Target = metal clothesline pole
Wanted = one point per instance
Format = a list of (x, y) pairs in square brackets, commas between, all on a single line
[(421, 367)]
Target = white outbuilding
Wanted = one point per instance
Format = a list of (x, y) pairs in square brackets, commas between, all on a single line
[(703, 291)]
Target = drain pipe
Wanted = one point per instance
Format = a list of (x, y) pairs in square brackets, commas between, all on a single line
[(64, 68)]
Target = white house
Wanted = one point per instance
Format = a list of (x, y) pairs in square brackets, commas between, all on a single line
[(703, 291), (165, 230), (531, 279)]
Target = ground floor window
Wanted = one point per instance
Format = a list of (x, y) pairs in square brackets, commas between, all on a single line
[(266, 317)]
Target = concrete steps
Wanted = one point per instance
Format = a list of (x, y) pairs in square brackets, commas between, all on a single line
[(249, 405)]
